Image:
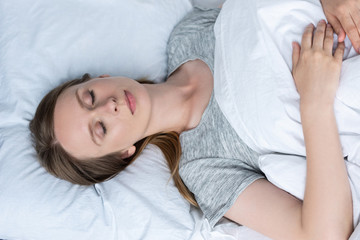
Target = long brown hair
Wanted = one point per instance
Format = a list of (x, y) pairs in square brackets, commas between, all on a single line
[(94, 170)]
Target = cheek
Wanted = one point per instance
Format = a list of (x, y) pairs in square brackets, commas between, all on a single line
[(122, 136)]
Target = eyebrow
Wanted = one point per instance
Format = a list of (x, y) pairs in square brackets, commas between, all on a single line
[(83, 106)]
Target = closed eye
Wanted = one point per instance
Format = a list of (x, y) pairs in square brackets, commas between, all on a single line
[(92, 94), (103, 127), (100, 129)]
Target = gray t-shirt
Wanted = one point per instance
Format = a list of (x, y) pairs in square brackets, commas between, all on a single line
[(216, 165)]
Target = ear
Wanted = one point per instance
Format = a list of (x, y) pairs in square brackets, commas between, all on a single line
[(104, 76), (128, 153)]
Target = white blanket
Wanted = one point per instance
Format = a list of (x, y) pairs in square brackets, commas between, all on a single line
[(255, 89)]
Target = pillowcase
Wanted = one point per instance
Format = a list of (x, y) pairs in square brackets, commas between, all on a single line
[(44, 43)]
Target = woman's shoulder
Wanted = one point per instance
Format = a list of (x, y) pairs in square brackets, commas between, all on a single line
[(192, 38), (195, 21)]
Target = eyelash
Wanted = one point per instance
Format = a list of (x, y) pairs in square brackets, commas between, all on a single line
[(91, 92), (103, 127)]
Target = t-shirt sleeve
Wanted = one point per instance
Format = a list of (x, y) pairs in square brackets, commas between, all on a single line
[(217, 183), (193, 38)]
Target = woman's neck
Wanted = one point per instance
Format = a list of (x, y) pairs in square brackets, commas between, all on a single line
[(178, 103)]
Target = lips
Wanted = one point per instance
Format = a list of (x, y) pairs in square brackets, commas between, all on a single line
[(130, 101)]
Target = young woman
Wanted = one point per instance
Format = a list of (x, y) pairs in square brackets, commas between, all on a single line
[(88, 130)]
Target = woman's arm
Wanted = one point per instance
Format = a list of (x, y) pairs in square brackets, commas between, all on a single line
[(327, 200), (326, 212)]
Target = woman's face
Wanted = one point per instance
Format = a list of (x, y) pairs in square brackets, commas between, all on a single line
[(101, 116)]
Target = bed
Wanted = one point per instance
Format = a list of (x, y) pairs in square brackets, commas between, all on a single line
[(44, 43)]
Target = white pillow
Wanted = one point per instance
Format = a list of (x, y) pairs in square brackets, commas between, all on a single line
[(44, 43)]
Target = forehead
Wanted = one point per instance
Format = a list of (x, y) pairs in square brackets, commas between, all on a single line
[(71, 125)]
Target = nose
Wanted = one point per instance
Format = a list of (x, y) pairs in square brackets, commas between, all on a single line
[(109, 105)]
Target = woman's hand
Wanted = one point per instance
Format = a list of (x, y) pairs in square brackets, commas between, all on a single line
[(344, 16), (316, 70)]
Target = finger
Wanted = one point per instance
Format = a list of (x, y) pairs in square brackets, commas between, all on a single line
[(306, 41), (329, 39), (318, 41), (295, 54), (337, 27), (339, 52), (351, 30)]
